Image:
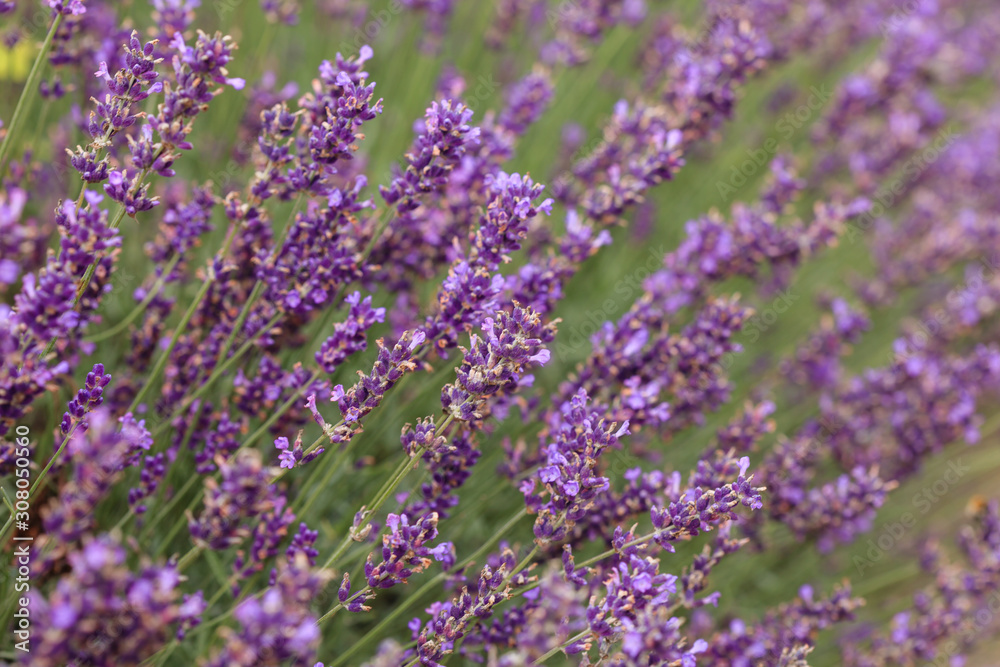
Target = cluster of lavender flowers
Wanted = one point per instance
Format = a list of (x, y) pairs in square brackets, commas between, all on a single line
[(202, 466)]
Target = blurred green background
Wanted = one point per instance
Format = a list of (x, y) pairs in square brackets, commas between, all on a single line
[(406, 77)]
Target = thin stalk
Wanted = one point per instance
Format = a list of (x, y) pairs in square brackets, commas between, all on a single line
[(335, 466), (166, 510), (393, 481), (401, 608), (6, 500), (525, 562), (181, 326), (89, 273), (386, 491), (176, 528), (122, 521), (557, 649), (140, 308), (38, 480), (82, 287), (340, 605), (216, 374), (27, 95), (189, 558)]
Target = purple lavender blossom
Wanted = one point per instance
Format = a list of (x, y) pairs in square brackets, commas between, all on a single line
[(405, 551), (568, 483), (277, 624), (104, 613), (495, 364), (71, 8), (443, 139), (87, 399), (243, 494)]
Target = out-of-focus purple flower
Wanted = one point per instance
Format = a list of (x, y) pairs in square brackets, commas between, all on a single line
[(841, 510), (103, 613), (526, 100), (443, 139), (69, 8), (817, 362), (278, 623), (268, 533), (173, 16), (87, 399), (45, 305), (281, 11), (743, 433), (787, 626), (97, 456), (242, 495), (303, 542), (931, 627), (494, 365)]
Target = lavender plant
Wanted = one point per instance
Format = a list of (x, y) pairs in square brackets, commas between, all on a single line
[(604, 332)]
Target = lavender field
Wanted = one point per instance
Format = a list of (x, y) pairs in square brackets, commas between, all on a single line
[(500, 332)]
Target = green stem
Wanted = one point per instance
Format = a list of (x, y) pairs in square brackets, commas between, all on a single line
[(340, 605), (525, 562), (189, 558), (176, 528), (336, 462), (140, 308), (217, 373), (27, 95), (394, 480), (181, 326), (6, 500), (386, 491), (170, 505), (122, 521), (401, 608), (38, 480), (557, 649), (115, 224)]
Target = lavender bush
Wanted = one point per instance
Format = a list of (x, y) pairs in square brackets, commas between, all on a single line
[(518, 332)]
